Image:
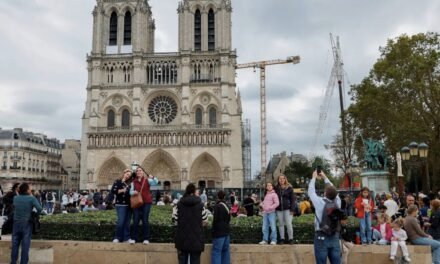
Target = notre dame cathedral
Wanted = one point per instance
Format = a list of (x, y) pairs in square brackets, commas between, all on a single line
[(177, 114)]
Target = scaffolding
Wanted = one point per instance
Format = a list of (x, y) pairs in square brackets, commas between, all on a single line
[(246, 146)]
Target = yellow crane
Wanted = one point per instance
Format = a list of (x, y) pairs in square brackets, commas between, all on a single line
[(262, 66)]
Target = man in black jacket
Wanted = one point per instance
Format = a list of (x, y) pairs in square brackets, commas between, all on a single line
[(190, 216), (220, 231)]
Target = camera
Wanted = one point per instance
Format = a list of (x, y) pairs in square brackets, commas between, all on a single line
[(318, 169)]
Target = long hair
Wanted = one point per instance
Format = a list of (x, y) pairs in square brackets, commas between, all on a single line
[(190, 190), (125, 171), (145, 172), (365, 189), (287, 181)]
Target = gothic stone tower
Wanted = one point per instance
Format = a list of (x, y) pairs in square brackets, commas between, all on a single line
[(177, 114)]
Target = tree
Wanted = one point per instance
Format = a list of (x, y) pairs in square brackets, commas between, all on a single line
[(297, 169), (399, 101)]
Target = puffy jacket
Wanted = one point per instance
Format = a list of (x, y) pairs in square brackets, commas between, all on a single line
[(359, 205), (190, 235), (388, 231), (270, 202), (287, 198)]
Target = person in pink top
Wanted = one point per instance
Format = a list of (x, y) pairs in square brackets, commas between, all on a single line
[(269, 204), (383, 232)]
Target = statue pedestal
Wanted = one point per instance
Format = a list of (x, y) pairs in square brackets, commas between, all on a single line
[(376, 181)]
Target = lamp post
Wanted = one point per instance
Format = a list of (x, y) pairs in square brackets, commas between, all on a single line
[(414, 156)]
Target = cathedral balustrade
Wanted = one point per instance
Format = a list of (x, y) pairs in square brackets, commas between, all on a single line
[(162, 70), (159, 136)]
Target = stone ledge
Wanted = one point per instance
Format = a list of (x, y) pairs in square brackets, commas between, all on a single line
[(71, 252)]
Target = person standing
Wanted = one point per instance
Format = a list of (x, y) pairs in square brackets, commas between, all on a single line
[(364, 205), (269, 205), (325, 245), (392, 206), (434, 220), (24, 203), (220, 232), (190, 216), (286, 208), (248, 203), (121, 189), (141, 184)]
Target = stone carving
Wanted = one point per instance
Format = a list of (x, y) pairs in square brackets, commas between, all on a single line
[(193, 91), (136, 112), (205, 99), (144, 91), (184, 110), (117, 101), (103, 94), (225, 109), (216, 91), (130, 94), (90, 173), (226, 173)]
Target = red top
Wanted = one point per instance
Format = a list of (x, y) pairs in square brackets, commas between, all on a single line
[(146, 194), (388, 231), (359, 205)]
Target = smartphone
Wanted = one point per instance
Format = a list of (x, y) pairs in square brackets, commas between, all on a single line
[(318, 169)]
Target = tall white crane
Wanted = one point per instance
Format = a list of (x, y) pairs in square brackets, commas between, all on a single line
[(262, 66), (336, 76)]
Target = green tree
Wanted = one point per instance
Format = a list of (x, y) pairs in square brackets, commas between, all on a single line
[(298, 169), (399, 101)]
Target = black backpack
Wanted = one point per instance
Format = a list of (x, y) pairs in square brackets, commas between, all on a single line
[(330, 219), (49, 196)]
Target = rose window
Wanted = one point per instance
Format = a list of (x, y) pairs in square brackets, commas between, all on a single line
[(162, 110)]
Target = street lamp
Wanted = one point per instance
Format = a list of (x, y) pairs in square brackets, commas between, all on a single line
[(414, 155)]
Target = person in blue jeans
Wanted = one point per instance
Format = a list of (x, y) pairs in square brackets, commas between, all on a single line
[(324, 246), (269, 205), (220, 231), (364, 205), (417, 236), (24, 203), (121, 189)]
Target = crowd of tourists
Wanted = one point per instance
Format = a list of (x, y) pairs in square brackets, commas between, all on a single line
[(415, 219)]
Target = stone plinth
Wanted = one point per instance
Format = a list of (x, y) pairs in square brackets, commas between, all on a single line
[(376, 181), (81, 252)]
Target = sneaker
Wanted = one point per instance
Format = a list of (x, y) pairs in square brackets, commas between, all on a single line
[(291, 241), (273, 243), (115, 240), (263, 243), (281, 242), (131, 241), (406, 258), (392, 257), (146, 242)]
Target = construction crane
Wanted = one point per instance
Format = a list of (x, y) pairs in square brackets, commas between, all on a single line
[(262, 66)]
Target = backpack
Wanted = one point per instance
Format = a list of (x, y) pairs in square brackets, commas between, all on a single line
[(49, 196), (330, 219)]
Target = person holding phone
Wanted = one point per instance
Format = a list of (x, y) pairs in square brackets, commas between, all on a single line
[(141, 184), (121, 189)]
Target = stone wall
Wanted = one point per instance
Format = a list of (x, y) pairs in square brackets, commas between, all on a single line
[(82, 252)]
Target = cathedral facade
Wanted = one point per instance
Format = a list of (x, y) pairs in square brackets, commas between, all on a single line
[(176, 114)]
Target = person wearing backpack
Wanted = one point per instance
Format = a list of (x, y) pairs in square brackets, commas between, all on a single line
[(364, 205), (327, 221), (220, 232)]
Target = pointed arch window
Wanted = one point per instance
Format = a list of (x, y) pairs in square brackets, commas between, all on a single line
[(212, 117), (197, 31), (113, 33), (211, 30), (199, 116), (127, 28), (111, 119), (125, 119)]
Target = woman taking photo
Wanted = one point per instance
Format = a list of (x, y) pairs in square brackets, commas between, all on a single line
[(121, 189), (286, 208), (24, 203), (141, 184)]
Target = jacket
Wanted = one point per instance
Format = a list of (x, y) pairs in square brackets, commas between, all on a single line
[(190, 234), (434, 229), (388, 231), (287, 198), (136, 185), (270, 202), (222, 218), (358, 204), (121, 198)]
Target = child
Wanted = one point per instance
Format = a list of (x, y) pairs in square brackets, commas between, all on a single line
[(398, 239), (347, 245), (382, 233), (269, 204), (365, 206)]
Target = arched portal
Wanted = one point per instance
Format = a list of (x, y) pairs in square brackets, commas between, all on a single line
[(110, 171), (162, 165), (206, 168)]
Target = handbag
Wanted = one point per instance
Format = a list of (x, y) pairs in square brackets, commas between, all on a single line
[(136, 200)]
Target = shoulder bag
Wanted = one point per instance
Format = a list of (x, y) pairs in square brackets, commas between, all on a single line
[(136, 200)]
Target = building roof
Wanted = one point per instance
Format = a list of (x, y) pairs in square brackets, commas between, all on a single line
[(19, 134)]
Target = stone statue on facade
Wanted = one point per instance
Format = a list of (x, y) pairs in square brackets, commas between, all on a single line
[(399, 164)]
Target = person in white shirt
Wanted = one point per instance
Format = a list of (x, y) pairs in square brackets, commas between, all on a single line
[(398, 239), (392, 206)]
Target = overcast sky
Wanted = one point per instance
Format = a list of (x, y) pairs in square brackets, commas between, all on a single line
[(44, 44)]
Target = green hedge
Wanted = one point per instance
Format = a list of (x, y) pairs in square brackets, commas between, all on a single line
[(100, 226)]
